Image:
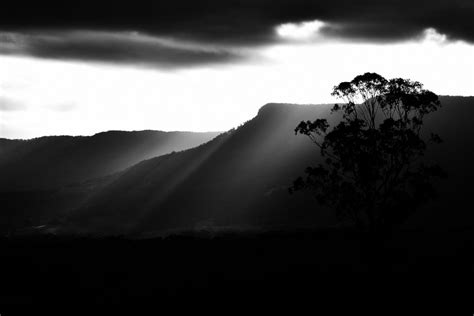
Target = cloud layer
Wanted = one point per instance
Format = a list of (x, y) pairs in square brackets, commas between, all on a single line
[(246, 21), (184, 33), (114, 47)]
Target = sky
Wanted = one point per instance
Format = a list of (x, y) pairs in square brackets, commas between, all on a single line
[(82, 67)]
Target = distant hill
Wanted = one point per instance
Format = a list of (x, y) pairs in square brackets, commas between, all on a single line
[(240, 179), (49, 162), (46, 176)]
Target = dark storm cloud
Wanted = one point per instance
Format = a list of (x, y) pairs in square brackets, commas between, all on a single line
[(223, 24), (113, 47), (245, 21)]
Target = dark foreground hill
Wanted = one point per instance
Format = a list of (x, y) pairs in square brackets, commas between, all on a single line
[(240, 179), (303, 269)]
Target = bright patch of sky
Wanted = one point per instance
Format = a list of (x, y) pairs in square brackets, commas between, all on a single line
[(77, 98)]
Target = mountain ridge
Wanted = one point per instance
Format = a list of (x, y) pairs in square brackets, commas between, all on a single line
[(98, 155), (112, 131), (241, 178), (48, 176)]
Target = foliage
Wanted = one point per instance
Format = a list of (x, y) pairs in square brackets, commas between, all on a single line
[(373, 173)]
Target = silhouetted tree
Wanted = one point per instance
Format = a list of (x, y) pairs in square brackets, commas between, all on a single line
[(373, 173)]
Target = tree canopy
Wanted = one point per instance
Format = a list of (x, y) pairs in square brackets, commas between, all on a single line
[(373, 172)]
